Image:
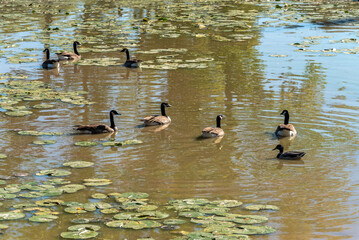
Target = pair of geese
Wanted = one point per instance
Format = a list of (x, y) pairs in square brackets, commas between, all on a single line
[(74, 56), (283, 130)]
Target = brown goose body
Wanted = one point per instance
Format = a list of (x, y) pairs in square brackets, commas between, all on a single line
[(155, 120), (290, 155), (131, 63), (50, 63), (286, 129), (210, 132), (70, 55), (100, 128)]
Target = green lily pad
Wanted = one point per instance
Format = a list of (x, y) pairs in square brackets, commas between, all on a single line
[(174, 221), (24, 205), (209, 210), (130, 195), (99, 196), (18, 113), (109, 210), (78, 164), (43, 106), (44, 142), (150, 215), (227, 203), (261, 207), (36, 133), (49, 202), (133, 224), (191, 214), (11, 215), (53, 172), (86, 144), (32, 194), (85, 234), (2, 182), (58, 181), (75, 209), (3, 156), (72, 188), (92, 182), (82, 227), (43, 218), (3, 226)]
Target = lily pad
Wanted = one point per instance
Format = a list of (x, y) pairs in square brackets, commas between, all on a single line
[(53, 172), (75, 209), (133, 224), (43, 218), (82, 227), (11, 215), (43, 106), (85, 234), (92, 182), (191, 214), (150, 215), (261, 207), (130, 195), (18, 113), (174, 221), (227, 203), (72, 188), (86, 144), (3, 156), (3, 226), (49, 202), (78, 164), (109, 210), (99, 196), (44, 142)]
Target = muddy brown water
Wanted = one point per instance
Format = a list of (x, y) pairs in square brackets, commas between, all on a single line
[(318, 196)]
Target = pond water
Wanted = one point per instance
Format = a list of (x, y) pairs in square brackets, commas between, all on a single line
[(245, 60)]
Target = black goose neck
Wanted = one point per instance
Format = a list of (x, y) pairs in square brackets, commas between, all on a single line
[(286, 118), (127, 54), (163, 110), (112, 121), (75, 49), (218, 121), (47, 54)]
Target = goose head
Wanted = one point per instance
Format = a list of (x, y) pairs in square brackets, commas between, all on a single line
[(279, 147)]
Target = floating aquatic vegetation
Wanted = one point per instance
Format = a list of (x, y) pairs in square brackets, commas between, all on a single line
[(78, 164), (43, 218), (86, 144), (43, 106), (44, 142), (130, 195), (53, 173), (11, 215), (3, 226), (93, 182), (173, 221), (134, 224), (2, 181), (109, 210), (36, 133), (99, 196), (49, 202), (261, 207), (82, 234), (72, 188), (148, 215), (18, 113), (2, 156)]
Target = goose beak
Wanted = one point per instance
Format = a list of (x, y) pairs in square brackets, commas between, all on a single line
[(274, 148)]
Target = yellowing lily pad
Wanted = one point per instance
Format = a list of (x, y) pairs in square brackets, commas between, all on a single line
[(173, 221), (43, 106), (3, 156), (261, 207), (99, 196), (91, 182), (44, 142), (18, 113), (78, 164), (85, 144), (83, 227)]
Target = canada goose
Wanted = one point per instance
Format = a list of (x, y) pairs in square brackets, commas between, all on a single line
[(214, 131), (100, 128), (286, 129), (158, 119), (291, 155), (131, 63), (70, 55), (50, 63)]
